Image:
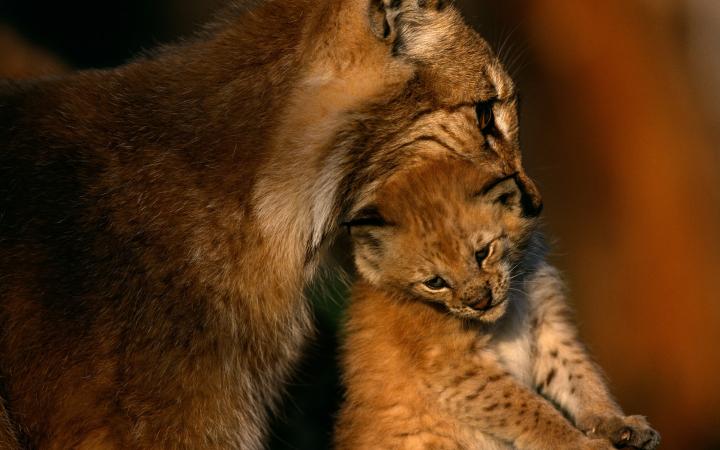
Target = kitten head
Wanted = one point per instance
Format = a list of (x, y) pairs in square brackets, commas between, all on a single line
[(445, 232)]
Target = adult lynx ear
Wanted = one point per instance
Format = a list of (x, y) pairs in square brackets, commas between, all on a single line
[(382, 18), (385, 14)]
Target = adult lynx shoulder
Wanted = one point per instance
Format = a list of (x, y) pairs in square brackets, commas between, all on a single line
[(458, 336), (159, 221)]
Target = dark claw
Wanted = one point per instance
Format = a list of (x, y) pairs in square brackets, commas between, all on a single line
[(626, 435)]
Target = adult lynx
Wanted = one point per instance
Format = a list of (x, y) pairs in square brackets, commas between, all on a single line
[(159, 221)]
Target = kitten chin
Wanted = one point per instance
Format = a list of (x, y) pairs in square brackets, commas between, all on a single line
[(488, 315)]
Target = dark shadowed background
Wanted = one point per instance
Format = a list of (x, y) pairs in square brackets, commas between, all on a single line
[(621, 125)]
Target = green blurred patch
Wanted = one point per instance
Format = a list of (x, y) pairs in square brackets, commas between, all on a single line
[(306, 417)]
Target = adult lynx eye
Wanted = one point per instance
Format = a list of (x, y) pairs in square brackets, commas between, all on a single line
[(436, 283), (486, 116)]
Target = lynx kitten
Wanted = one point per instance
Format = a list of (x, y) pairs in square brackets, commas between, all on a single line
[(458, 335)]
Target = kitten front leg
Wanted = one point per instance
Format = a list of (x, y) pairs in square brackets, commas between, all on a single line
[(565, 374), (488, 399)]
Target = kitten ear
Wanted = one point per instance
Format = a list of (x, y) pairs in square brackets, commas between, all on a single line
[(515, 193), (504, 192), (368, 230), (531, 199)]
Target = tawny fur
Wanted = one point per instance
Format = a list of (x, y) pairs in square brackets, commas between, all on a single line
[(159, 221), (491, 360), (20, 60), (8, 433)]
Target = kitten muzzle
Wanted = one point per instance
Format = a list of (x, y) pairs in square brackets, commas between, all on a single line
[(482, 304)]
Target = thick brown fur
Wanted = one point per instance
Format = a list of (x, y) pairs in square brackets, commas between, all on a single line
[(458, 335), (159, 221), (8, 433), (21, 60)]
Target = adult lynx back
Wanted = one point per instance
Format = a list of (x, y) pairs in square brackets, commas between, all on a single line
[(159, 221)]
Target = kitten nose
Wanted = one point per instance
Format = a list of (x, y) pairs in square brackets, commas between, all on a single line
[(483, 301)]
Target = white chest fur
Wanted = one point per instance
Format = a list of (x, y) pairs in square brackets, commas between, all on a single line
[(512, 340)]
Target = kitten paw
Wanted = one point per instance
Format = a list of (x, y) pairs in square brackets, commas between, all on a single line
[(623, 432)]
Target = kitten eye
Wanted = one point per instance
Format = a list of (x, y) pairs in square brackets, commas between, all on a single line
[(436, 284), (486, 116), (366, 217), (481, 255)]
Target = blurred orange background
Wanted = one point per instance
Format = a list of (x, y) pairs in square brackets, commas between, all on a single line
[(621, 117), (621, 130)]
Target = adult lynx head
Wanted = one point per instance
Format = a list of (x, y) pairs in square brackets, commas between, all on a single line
[(386, 84), (444, 232)]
